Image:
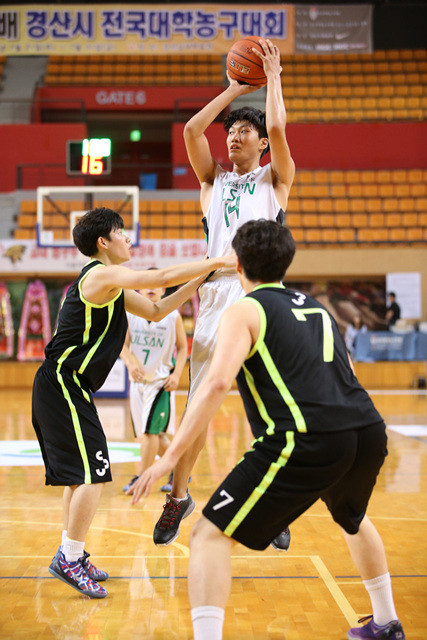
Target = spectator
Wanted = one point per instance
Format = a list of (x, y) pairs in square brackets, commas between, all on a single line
[(393, 310)]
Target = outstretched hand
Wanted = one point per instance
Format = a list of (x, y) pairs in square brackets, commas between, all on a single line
[(270, 58), (143, 485)]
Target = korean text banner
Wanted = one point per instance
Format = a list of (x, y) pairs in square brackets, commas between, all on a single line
[(85, 29)]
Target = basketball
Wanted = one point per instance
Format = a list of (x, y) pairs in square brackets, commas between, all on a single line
[(243, 64)]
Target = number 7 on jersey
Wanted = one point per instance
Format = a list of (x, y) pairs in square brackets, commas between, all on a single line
[(328, 336)]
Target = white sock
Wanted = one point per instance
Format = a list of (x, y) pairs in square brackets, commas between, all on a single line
[(72, 549), (64, 535), (379, 590), (207, 623), (179, 499)]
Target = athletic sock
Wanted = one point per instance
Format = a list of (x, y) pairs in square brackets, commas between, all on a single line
[(64, 535), (179, 499), (207, 623), (379, 590), (72, 549)]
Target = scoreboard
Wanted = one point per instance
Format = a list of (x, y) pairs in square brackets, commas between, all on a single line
[(91, 156)]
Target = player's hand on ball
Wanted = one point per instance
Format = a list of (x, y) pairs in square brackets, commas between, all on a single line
[(243, 89), (270, 57)]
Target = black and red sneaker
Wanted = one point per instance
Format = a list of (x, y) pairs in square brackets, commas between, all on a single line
[(282, 541), (167, 526)]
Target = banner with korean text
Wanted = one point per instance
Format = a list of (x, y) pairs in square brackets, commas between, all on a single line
[(23, 257), (146, 29)]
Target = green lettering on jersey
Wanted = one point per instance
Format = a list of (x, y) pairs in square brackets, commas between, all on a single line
[(231, 207), (248, 188)]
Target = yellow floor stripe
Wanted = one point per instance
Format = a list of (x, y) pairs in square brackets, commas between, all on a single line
[(335, 591)]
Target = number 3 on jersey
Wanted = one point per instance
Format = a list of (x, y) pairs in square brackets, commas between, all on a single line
[(328, 336)]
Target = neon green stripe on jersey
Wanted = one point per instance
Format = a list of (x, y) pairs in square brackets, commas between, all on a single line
[(88, 324), (275, 376), (282, 388), (84, 392), (76, 425), (258, 401), (259, 491), (91, 351)]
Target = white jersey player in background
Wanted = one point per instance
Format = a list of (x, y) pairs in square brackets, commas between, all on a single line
[(154, 372), (228, 200)]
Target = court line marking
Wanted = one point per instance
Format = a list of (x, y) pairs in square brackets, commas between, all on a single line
[(378, 392), (196, 511), (331, 584), (181, 547)]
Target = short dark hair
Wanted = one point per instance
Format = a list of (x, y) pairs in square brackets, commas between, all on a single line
[(94, 224), (265, 250), (255, 117)]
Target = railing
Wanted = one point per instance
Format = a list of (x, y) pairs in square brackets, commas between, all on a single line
[(15, 109)]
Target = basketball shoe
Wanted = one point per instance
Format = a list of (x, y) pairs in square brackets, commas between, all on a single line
[(75, 574), (93, 572), (130, 484), (371, 631), (167, 526), (282, 541)]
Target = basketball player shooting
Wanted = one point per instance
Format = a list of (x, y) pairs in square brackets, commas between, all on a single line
[(228, 200)]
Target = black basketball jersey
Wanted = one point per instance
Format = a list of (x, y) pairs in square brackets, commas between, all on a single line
[(297, 376), (88, 337)]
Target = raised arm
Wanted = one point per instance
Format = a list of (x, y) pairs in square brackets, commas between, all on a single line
[(196, 142), (282, 165)]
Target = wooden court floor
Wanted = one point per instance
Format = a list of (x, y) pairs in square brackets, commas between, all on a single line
[(311, 592)]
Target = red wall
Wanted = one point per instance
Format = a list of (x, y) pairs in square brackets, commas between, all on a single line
[(38, 144), (124, 98), (363, 145)]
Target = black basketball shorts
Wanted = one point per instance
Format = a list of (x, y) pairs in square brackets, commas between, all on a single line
[(65, 419), (284, 474)]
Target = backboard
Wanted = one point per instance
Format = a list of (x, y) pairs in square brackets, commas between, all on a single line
[(59, 209)]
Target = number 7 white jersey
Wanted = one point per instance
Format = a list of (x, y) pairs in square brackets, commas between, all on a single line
[(153, 343)]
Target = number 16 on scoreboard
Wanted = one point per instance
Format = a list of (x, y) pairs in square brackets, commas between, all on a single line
[(91, 156)]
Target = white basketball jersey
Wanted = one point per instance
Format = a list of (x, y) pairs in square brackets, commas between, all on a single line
[(236, 200), (153, 343)]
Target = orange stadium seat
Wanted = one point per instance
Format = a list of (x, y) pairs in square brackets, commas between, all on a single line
[(334, 206)]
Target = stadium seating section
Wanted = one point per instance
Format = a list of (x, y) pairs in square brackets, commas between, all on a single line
[(385, 85), (326, 208), (133, 70)]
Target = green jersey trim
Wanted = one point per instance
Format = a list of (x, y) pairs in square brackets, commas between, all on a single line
[(91, 351), (92, 304), (265, 483), (262, 327), (275, 376), (268, 285)]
